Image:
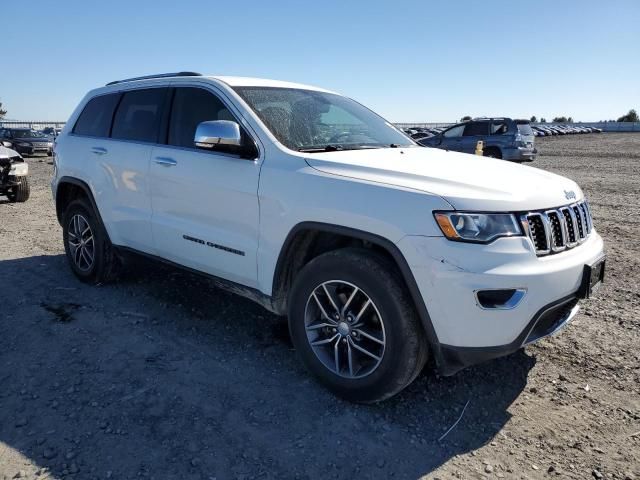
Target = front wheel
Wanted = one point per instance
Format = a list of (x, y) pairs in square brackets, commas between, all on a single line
[(21, 192), (353, 326)]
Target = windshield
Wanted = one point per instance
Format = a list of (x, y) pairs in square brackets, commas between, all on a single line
[(306, 120), (25, 134)]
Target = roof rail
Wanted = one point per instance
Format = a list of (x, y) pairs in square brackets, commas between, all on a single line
[(159, 75)]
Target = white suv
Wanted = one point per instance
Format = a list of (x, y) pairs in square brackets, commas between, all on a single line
[(382, 253)]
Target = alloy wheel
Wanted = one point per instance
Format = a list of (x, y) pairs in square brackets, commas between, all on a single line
[(81, 243), (345, 329)]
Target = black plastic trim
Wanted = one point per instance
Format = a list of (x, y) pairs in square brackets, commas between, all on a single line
[(87, 190), (227, 285), (456, 358), (393, 250)]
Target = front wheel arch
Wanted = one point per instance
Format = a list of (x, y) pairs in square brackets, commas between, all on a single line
[(297, 239)]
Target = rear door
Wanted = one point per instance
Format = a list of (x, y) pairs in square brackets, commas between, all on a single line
[(473, 133), (116, 158), (205, 202)]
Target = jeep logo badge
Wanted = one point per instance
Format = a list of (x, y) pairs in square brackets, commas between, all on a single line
[(570, 194)]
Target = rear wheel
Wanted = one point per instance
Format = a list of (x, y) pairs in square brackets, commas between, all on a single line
[(21, 192), (492, 152), (353, 326), (87, 246)]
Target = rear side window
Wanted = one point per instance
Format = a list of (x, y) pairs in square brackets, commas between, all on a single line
[(95, 119), (138, 115), (476, 128), (499, 127)]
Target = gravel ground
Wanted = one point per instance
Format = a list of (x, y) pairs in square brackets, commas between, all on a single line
[(161, 376)]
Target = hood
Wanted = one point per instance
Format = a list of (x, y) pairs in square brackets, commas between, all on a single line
[(467, 182), (8, 153)]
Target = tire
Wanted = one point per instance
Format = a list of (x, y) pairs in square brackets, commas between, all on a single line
[(21, 192), (390, 317), (492, 152), (104, 263)]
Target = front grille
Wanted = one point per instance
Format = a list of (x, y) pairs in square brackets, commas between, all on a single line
[(555, 230)]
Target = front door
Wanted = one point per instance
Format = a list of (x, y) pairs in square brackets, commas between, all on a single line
[(204, 203)]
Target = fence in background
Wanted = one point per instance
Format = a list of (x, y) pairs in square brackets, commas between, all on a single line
[(30, 124)]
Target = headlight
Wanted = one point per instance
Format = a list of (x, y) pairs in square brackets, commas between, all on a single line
[(19, 169), (477, 227), (23, 144)]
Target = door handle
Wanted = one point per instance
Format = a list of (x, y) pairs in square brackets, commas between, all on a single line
[(166, 161), (98, 150)]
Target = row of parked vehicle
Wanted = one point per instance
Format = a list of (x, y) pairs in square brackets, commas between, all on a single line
[(419, 133), (549, 130)]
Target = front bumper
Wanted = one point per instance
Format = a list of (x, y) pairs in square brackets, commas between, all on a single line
[(31, 150), (448, 273)]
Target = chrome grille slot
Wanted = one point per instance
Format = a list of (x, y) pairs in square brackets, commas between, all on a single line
[(581, 230), (570, 223), (558, 229), (537, 232)]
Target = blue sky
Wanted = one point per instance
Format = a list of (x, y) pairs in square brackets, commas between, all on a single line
[(408, 60)]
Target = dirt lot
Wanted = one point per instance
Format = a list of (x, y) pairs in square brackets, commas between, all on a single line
[(161, 376)]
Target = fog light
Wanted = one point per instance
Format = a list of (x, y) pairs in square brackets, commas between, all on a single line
[(500, 299)]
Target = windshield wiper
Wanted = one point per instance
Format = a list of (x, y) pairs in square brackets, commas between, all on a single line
[(324, 148)]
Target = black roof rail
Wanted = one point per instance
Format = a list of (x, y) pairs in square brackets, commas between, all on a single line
[(159, 75)]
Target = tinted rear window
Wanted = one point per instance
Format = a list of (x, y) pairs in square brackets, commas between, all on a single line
[(525, 129), (95, 119), (476, 128), (138, 115)]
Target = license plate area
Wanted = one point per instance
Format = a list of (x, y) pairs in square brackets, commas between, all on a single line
[(592, 278)]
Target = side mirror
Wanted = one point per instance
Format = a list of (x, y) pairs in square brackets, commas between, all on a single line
[(6, 144), (217, 133)]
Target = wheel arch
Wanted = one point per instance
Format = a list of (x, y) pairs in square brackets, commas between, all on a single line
[(71, 188), (298, 249)]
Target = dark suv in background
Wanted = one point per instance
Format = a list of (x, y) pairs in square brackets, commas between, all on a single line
[(503, 138)]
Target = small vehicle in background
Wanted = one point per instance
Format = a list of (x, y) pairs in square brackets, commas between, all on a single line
[(503, 138), (26, 141), (13, 175)]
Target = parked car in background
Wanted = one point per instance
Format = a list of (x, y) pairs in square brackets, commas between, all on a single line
[(503, 138), (26, 141)]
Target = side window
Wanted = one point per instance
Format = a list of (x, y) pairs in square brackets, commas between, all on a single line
[(498, 128), (95, 119), (138, 115), (476, 128), (454, 132), (192, 106)]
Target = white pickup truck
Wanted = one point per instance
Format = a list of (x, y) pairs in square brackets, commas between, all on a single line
[(382, 253)]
